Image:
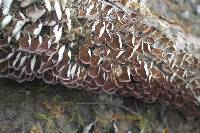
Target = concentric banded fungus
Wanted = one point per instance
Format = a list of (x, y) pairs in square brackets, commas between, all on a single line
[(99, 45)]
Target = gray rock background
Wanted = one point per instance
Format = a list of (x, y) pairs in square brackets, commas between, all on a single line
[(184, 12)]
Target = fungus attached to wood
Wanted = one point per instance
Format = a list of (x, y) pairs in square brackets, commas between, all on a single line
[(114, 50)]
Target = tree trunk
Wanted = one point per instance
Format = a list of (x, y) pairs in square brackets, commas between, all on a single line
[(118, 47)]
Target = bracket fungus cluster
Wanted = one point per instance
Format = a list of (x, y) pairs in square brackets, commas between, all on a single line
[(98, 45)]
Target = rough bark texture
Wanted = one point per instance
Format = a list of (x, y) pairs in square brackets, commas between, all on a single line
[(171, 74)]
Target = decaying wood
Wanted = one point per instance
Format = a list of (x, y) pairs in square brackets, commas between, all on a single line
[(115, 46)]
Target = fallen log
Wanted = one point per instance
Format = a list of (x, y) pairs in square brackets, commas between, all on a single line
[(118, 47)]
